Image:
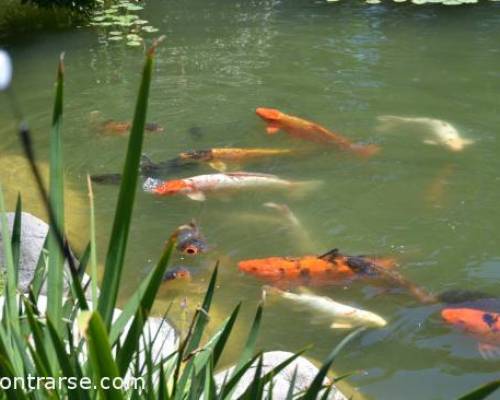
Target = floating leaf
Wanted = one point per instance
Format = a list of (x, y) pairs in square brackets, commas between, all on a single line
[(115, 38), (134, 43), (133, 36), (140, 22), (149, 29), (133, 7), (99, 18)]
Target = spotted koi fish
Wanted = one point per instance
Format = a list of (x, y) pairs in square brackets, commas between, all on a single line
[(196, 186), (315, 270)]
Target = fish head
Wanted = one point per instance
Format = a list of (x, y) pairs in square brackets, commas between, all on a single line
[(172, 187), (472, 320), (375, 320), (177, 273), (198, 155), (272, 117), (190, 240), (456, 143)]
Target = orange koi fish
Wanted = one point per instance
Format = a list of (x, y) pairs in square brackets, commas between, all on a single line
[(484, 325), (328, 268), (196, 186), (112, 127), (308, 130)]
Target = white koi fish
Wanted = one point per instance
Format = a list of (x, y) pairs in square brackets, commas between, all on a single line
[(343, 316), (196, 186), (444, 133)]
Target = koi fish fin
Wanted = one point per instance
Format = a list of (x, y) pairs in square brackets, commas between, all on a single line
[(304, 290), (197, 196), (271, 129), (488, 351), (218, 166), (301, 189), (431, 142), (341, 325)]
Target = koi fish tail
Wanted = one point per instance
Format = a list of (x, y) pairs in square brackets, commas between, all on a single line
[(367, 150), (301, 189), (389, 122), (150, 184)]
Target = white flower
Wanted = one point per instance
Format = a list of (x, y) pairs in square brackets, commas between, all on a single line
[(5, 70)]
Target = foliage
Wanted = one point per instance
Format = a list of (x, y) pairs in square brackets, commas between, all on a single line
[(76, 5), (82, 340), (121, 22), (419, 2)]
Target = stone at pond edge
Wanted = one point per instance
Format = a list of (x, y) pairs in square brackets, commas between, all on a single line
[(306, 371), (33, 234)]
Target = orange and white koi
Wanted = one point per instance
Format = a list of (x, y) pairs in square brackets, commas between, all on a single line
[(308, 130), (218, 157), (196, 186)]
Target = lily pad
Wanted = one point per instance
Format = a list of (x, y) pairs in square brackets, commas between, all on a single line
[(115, 38), (115, 33), (140, 22), (149, 29), (134, 43)]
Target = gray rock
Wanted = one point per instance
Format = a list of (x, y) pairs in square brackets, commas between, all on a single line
[(306, 371), (33, 234)]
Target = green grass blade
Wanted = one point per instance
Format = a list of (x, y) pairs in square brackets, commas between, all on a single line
[(93, 250), (16, 236), (249, 348), (230, 385), (202, 317), (275, 371), (39, 274), (289, 395), (132, 340), (11, 284), (123, 215), (483, 391), (56, 195), (38, 339), (314, 390), (256, 388), (6, 370), (101, 358)]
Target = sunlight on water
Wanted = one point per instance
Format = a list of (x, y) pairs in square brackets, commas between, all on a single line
[(340, 65)]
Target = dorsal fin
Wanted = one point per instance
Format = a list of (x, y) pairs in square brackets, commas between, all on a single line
[(330, 254)]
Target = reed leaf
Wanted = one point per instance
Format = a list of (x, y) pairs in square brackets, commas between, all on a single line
[(56, 196), (123, 215), (482, 392), (16, 237)]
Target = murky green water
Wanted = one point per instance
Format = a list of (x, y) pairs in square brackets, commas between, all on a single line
[(340, 65)]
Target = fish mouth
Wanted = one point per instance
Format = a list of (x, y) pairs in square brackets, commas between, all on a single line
[(268, 114)]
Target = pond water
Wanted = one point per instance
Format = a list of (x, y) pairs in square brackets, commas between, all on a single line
[(342, 65)]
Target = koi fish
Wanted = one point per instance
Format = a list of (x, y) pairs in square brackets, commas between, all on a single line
[(444, 133), (196, 186), (308, 130), (190, 239), (343, 315), (328, 268), (484, 325), (218, 157), (177, 273), (112, 127)]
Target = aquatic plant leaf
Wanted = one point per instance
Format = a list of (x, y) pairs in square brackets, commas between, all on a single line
[(134, 43), (115, 38), (140, 22), (133, 7), (16, 237), (101, 358), (10, 305), (130, 345), (317, 384), (116, 33), (483, 391), (123, 215), (149, 29), (56, 195), (133, 36)]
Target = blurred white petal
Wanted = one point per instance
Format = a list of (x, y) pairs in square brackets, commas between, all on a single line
[(5, 70)]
